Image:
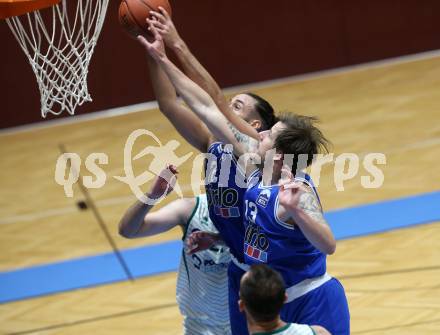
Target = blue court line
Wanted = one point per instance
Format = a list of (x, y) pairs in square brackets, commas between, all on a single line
[(164, 257), (88, 271), (385, 215)]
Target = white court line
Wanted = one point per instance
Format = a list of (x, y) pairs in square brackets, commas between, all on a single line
[(417, 145), (38, 215), (142, 107), (129, 199)]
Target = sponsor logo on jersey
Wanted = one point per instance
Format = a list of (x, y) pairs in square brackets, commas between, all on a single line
[(224, 201), (207, 264), (255, 243), (255, 253), (227, 212), (263, 198)]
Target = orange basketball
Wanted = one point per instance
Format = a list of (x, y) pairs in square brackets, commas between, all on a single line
[(133, 14)]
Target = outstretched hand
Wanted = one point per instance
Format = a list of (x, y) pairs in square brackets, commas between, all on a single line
[(164, 182), (155, 48), (164, 26), (290, 193), (201, 240)]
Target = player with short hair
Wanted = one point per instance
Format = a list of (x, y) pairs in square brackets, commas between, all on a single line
[(202, 286), (262, 295), (249, 113), (285, 227)]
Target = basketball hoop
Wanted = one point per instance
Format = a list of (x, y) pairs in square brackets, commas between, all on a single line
[(58, 46)]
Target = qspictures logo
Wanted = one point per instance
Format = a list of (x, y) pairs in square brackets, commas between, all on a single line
[(346, 167)]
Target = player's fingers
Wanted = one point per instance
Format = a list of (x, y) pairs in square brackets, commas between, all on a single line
[(154, 30), (164, 13), (190, 243), (167, 176), (157, 24), (160, 31), (292, 186), (143, 41), (194, 237), (193, 251), (283, 182), (173, 169), (158, 15)]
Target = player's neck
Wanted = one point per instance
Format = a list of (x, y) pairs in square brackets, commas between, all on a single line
[(260, 327)]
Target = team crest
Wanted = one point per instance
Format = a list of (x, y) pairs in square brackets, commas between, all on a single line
[(263, 198)]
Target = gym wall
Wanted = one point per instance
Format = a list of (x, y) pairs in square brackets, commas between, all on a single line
[(239, 42)]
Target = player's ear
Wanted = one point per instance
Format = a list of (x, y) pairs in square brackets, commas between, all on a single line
[(256, 124), (240, 305)]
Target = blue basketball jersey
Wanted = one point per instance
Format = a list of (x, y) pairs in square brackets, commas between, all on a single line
[(225, 188), (269, 240)]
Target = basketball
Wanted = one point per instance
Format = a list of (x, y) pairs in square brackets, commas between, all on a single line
[(133, 13)]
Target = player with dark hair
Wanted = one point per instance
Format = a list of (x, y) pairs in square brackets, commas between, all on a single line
[(263, 109), (248, 113), (285, 227), (262, 295)]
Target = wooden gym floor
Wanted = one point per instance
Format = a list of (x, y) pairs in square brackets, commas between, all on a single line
[(392, 279)]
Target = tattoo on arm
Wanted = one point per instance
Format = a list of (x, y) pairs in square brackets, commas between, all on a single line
[(310, 205), (248, 142)]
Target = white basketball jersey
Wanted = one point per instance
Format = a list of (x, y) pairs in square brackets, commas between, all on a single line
[(291, 329), (202, 283)]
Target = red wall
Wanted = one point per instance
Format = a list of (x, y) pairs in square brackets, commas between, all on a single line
[(239, 41)]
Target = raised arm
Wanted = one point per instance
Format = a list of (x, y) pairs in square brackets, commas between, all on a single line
[(301, 206), (195, 97), (186, 123), (195, 70), (139, 222)]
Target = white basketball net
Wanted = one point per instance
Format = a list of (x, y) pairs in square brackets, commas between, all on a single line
[(59, 48)]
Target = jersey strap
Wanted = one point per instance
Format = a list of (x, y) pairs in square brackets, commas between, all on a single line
[(306, 179), (307, 285), (212, 145)]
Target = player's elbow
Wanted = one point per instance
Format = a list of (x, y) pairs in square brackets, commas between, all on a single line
[(124, 232)]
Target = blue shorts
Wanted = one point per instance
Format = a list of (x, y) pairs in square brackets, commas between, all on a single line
[(325, 306), (237, 319)]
